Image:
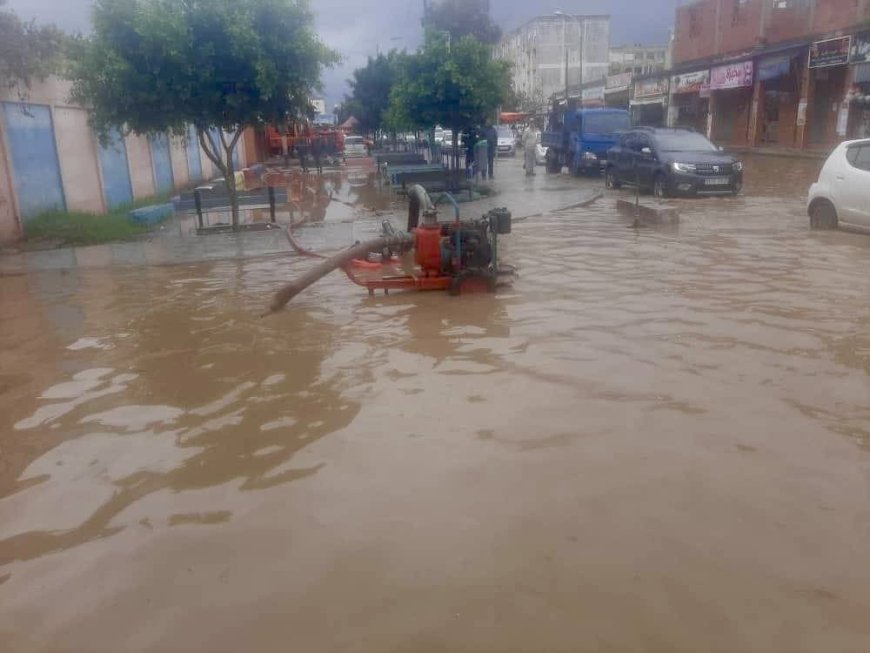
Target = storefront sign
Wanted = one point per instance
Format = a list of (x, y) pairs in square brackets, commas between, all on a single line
[(802, 113), (617, 83), (842, 119), (644, 88), (736, 75), (833, 52), (860, 48), (690, 82), (594, 95)]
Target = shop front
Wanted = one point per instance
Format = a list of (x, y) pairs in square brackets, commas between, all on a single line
[(593, 96), (827, 110), (731, 89), (858, 97), (649, 101), (616, 91), (690, 100), (779, 86)]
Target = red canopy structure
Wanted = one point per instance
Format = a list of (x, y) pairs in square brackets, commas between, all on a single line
[(512, 118)]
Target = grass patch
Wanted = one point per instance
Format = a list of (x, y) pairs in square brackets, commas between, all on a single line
[(60, 228)]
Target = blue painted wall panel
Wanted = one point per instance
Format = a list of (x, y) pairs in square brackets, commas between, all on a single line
[(215, 138), (194, 160), (162, 158), (35, 165), (117, 186)]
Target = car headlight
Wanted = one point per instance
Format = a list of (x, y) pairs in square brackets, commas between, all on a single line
[(738, 166), (590, 156), (683, 167)]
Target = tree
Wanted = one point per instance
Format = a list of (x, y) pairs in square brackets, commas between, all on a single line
[(370, 90), (458, 85), (27, 52), (153, 66), (462, 18)]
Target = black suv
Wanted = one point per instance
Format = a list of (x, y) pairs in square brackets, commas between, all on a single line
[(671, 162)]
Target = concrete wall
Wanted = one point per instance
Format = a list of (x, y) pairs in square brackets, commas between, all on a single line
[(77, 151), (141, 169), (50, 157), (9, 227), (178, 155)]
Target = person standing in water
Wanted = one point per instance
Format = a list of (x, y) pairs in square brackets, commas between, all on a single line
[(530, 142)]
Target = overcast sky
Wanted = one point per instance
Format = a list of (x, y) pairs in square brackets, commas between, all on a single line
[(385, 24)]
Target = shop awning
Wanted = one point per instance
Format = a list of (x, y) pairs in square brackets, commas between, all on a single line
[(862, 73)]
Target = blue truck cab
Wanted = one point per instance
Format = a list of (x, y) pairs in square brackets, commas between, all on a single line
[(579, 138)]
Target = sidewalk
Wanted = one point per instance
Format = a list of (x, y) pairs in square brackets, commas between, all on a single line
[(352, 213)]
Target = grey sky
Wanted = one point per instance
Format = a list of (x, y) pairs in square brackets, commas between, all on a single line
[(384, 24)]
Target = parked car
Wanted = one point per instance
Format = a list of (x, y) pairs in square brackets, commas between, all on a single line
[(506, 141), (355, 146), (541, 153), (841, 196), (672, 162)]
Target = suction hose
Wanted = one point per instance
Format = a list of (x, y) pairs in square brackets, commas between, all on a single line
[(396, 242)]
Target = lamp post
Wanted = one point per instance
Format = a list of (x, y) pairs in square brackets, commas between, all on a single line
[(565, 17)]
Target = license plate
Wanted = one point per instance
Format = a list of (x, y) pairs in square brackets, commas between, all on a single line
[(717, 181)]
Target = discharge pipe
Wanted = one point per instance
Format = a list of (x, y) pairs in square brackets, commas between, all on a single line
[(419, 200)]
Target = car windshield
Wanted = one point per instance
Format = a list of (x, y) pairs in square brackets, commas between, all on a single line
[(505, 132), (354, 140), (605, 123), (684, 142)]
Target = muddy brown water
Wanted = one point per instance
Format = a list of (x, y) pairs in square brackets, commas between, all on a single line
[(657, 440)]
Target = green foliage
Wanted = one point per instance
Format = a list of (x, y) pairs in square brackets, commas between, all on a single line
[(370, 90), (463, 18), (159, 65), (77, 228), (457, 86), (27, 52)]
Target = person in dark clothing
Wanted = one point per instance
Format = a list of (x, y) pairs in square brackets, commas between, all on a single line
[(492, 141), (302, 152), (317, 152)]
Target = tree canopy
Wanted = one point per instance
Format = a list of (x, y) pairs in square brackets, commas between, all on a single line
[(160, 65), (27, 51), (457, 85), (371, 86), (463, 18)]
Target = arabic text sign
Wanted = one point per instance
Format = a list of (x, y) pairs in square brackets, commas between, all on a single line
[(833, 52), (690, 82), (736, 75), (618, 82), (650, 87)]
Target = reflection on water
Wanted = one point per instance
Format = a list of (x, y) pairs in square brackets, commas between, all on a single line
[(657, 438)]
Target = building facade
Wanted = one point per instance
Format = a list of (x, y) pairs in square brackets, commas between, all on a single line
[(552, 54), (638, 59), (772, 73), (51, 159)]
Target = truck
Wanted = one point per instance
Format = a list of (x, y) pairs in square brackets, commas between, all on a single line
[(579, 138)]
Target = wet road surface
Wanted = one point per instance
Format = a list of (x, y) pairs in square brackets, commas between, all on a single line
[(657, 440)]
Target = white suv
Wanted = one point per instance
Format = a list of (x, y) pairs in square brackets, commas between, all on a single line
[(841, 196)]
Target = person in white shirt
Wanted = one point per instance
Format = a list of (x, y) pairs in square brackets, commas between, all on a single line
[(530, 141)]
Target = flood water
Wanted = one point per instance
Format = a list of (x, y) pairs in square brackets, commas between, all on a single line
[(656, 440)]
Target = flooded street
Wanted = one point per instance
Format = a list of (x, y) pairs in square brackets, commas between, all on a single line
[(656, 440)]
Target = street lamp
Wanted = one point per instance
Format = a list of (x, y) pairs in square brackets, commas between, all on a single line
[(565, 17)]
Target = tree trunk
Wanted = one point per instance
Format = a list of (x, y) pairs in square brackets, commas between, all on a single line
[(216, 153)]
